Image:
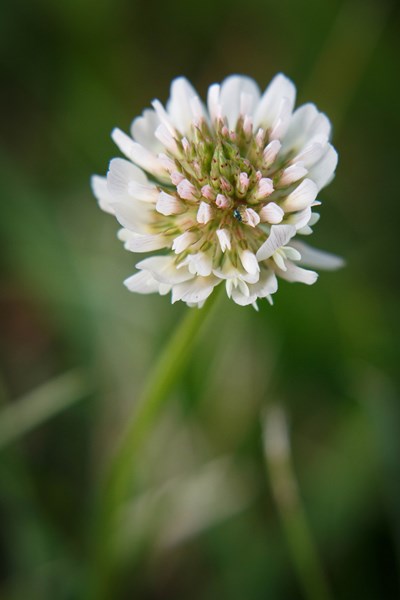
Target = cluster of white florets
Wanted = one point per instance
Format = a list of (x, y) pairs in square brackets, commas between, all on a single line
[(222, 191)]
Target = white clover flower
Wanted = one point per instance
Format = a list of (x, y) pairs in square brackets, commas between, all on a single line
[(222, 190)]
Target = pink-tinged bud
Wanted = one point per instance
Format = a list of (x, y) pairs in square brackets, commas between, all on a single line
[(186, 190), (260, 136), (248, 125), (225, 185), (185, 144), (271, 152), (225, 130), (222, 201), (233, 136), (264, 188), (258, 175), (243, 183), (197, 168), (176, 177), (250, 217), (208, 192)]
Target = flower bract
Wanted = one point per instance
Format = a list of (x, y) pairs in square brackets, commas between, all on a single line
[(221, 191)]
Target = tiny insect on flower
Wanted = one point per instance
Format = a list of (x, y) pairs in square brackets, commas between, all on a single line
[(222, 189)]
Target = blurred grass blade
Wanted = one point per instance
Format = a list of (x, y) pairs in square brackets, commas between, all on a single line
[(304, 552), (42, 404)]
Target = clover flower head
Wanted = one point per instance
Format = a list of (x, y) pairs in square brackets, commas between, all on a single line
[(221, 191)]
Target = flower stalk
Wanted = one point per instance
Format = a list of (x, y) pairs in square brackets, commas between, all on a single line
[(115, 491)]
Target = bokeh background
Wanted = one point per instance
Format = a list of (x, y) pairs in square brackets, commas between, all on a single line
[(76, 345)]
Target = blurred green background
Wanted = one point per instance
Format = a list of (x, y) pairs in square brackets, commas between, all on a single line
[(76, 345)]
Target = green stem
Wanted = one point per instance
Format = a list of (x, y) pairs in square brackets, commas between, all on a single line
[(162, 378)]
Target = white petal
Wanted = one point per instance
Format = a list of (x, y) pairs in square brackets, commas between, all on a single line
[(164, 289), (242, 299), (311, 153), (271, 213), (120, 173), (294, 273), (239, 291), (142, 283), (318, 259), (180, 106), (303, 196), (299, 219), (228, 271), (183, 241), (250, 217), (307, 125), (139, 154), (264, 188), (249, 261), (102, 193), (281, 122), (125, 171), (279, 260), (199, 263), (322, 172), (164, 269), (126, 179), (243, 287), (292, 174), (306, 230), (233, 90), (135, 242), (279, 236), (271, 152), (186, 190), (143, 129), (270, 106), (203, 263), (224, 238), (266, 285), (167, 139), (205, 213), (145, 193), (291, 253), (164, 118), (134, 215), (213, 102), (169, 205), (196, 290)]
